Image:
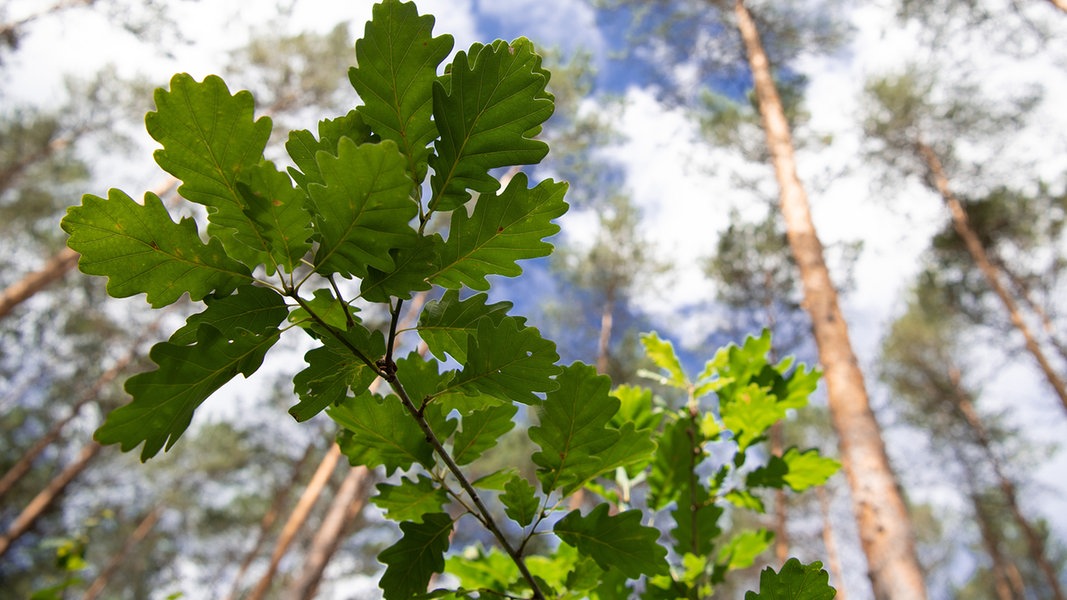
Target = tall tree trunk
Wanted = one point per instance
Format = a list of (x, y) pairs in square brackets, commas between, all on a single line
[(344, 509), (830, 543), (884, 524), (1034, 543), (1002, 580), (1060, 4), (1022, 290), (139, 534), (781, 509), (53, 270), (962, 225), (607, 318), (297, 518), (268, 520), (47, 496)]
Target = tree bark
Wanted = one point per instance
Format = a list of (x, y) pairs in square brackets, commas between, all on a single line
[(1002, 582), (297, 518), (268, 520), (139, 534), (1060, 4), (344, 509), (781, 510), (833, 559), (47, 496), (884, 524), (1034, 543), (607, 318), (962, 225)]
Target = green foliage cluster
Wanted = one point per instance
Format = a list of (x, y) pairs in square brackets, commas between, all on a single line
[(366, 199)]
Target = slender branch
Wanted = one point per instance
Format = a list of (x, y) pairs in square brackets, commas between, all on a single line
[(344, 305), (487, 517), (332, 331), (392, 335)]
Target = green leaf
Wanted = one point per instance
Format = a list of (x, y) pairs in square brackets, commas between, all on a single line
[(794, 582), (278, 212), (520, 501), (749, 413), (141, 250), (577, 443), (413, 266), (396, 68), (446, 325), (481, 430), (334, 373), (741, 551), (615, 541), (326, 307), (165, 399), (303, 147), (494, 105), (808, 469), (509, 361), (662, 353), (363, 209), (500, 231), (379, 431), (252, 308), (412, 561), (496, 480), (635, 406), (209, 138), (745, 499), (672, 465), (696, 523), (410, 500), (477, 568)]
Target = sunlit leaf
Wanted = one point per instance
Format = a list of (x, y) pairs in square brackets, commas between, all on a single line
[(509, 361), (520, 501), (795, 581), (141, 250), (447, 325), (481, 430)]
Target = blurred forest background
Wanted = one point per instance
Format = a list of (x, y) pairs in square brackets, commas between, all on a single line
[(905, 115)]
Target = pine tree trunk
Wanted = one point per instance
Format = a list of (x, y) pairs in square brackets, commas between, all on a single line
[(344, 509), (992, 276), (1023, 291), (1002, 582), (781, 510), (1060, 4), (833, 559), (607, 318), (268, 520), (1034, 543), (297, 518), (47, 496), (884, 524), (139, 534), (52, 271)]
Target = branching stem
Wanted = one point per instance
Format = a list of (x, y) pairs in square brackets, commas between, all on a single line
[(337, 335), (486, 516)]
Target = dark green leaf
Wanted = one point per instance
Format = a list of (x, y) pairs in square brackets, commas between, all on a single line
[(397, 63), (278, 212), (412, 561), (446, 325), (141, 250), (379, 431), (325, 306), (477, 568), (520, 501), (164, 399), (413, 266), (363, 209), (501, 231), (673, 464), (209, 138), (481, 430), (303, 147), (509, 361), (334, 373), (252, 308), (696, 521), (487, 117), (409, 500), (794, 582), (615, 541)]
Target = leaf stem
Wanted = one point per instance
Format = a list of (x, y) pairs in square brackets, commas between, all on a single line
[(392, 335), (486, 516), (344, 305), (340, 338)]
